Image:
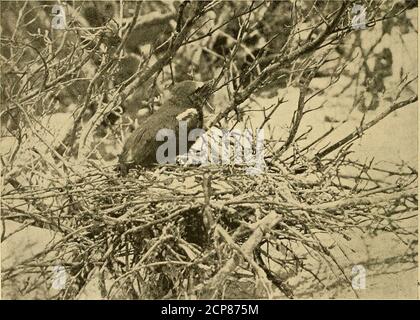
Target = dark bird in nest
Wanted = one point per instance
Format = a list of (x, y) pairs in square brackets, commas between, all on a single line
[(185, 102)]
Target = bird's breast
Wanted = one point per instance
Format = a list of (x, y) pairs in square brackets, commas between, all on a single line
[(140, 148)]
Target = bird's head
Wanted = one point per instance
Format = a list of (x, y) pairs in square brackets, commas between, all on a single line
[(185, 88), (190, 93)]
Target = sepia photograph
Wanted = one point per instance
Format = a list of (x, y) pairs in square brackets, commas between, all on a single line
[(209, 150)]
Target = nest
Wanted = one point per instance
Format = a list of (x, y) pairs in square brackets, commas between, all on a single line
[(198, 232)]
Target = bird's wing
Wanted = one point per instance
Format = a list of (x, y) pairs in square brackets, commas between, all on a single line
[(128, 153), (147, 144)]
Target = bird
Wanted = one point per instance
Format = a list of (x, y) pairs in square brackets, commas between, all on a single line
[(185, 101)]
